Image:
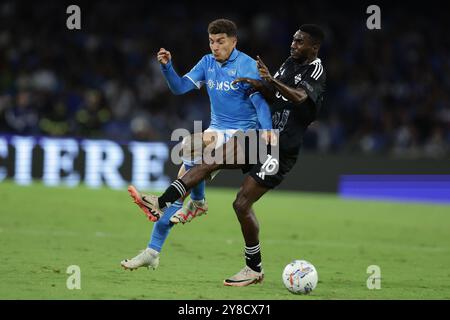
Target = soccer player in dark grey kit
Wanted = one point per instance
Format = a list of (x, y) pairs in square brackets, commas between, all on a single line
[(295, 94)]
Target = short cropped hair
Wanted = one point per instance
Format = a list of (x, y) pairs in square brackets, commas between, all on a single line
[(223, 26), (315, 32)]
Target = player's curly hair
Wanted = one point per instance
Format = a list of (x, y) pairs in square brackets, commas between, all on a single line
[(223, 26)]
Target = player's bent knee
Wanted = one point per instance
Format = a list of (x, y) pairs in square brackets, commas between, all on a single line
[(211, 170), (240, 206)]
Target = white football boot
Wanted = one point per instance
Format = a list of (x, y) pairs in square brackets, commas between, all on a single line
[(147, 258), (193, 209), (244, 278)]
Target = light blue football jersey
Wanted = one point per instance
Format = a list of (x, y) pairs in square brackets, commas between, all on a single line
[(231, 107)]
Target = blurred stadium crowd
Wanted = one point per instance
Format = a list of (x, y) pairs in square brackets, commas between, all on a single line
[(388, 90)]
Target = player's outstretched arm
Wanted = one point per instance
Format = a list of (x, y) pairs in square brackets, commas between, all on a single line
[(250, 77), (264, 88), (295, 95), (178, 85)]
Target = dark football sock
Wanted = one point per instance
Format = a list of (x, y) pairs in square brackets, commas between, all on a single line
[(174, 192), (253, 258)]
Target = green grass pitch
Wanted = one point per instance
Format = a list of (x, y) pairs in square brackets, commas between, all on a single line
[(44, 230)]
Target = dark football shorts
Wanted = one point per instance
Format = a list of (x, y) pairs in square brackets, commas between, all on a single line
[(267, 168), (263, 174)]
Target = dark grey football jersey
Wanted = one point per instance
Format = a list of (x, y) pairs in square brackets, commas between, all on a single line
[(293, 119)]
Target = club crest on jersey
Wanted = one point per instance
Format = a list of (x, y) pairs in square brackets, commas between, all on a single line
[(232, 72), (298, 78)]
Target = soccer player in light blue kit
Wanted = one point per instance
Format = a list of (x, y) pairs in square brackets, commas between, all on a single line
[(233, 107)]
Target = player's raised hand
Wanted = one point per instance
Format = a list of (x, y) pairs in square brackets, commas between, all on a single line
[(256, 84), (263, 70), (164, 56)]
